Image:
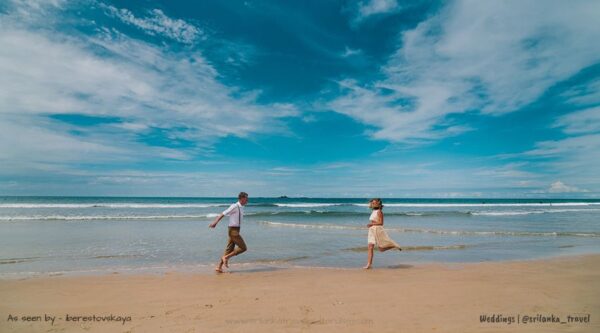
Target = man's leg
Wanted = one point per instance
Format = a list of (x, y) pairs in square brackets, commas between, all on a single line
[(228, 250), (241, 245), (237, 240)]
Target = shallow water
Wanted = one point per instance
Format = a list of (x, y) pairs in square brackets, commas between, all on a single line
[(59, 235)]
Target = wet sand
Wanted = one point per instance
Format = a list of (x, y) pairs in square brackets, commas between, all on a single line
[(403, 298)]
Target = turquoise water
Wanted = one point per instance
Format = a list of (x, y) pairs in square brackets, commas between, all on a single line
[(90, 235)]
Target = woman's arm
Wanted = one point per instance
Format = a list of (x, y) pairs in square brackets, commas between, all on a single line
[(372, 223)]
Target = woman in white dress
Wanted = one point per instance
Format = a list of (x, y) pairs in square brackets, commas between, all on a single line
[(377, 235)]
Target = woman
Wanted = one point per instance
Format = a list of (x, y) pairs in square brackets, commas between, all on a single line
[(377, 235)]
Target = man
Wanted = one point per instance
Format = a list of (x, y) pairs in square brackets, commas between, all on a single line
[(236, 214)]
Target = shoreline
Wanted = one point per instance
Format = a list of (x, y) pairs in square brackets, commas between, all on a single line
[(255, 266), (442, 297), (258, 266)]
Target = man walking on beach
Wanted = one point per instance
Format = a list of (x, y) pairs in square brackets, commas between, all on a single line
[(236, 214)]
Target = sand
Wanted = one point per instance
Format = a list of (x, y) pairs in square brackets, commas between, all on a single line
[(404, 298)]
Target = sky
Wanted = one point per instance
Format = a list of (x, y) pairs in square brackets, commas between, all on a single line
[(387, 98)]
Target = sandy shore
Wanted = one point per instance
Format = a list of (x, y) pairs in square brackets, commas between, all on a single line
[(422, 298)]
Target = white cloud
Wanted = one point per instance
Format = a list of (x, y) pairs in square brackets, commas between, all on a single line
[(560, 187), (491, 57), (580, 122), (31, 11), (575, 158), (348, 52), (511, 171), (157, 23), (366, 10), (26, 140), (584, 94), (392, 113), (44, 72), (373, 7)]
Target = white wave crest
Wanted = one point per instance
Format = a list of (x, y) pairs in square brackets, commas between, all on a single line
[(436, 231), (103, 217), (308, 205), (107, 205)]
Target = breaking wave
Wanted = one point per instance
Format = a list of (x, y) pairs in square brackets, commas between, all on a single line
[(437, 231)]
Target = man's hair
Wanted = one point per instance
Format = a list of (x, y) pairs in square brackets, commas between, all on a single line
[(242, 195)]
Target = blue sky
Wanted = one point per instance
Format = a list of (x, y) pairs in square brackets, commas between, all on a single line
[(303, 98)]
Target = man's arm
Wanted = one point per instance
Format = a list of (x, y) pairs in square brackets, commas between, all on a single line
[(226, 212), (217, 220)]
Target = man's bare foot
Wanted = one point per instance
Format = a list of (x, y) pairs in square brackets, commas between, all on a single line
[(225, 261), (218, 270), (367, 267)]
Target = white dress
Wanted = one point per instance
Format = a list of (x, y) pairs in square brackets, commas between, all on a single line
[(378, 236)]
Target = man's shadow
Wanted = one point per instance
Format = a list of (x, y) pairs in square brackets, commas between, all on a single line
[(256, 270), (400, 266)]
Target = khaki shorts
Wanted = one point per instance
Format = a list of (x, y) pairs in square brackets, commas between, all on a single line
[(235, 239)]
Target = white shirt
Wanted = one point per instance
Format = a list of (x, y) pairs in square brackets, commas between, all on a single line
[(375, 216), (235, 213)]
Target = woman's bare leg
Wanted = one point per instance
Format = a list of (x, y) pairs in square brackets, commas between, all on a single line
[(370, 259)]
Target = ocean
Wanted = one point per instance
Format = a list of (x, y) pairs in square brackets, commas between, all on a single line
[(103, 235)]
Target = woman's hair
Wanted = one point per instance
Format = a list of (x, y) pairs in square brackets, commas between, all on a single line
[(375, 203)]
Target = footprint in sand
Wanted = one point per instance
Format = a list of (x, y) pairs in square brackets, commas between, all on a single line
[(306, 310)]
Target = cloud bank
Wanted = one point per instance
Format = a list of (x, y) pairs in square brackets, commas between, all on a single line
[(143, 89), (484, 57)]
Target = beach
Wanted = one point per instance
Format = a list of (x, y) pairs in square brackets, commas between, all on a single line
[(506, 296), (291, 166)]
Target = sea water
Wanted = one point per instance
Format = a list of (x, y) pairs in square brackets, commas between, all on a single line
[(80, 235)]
